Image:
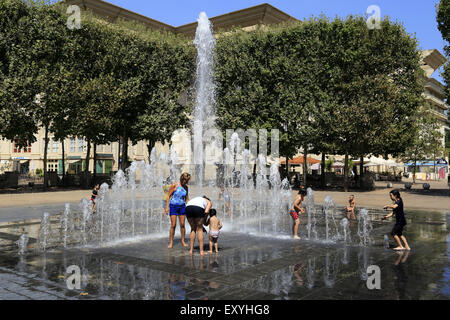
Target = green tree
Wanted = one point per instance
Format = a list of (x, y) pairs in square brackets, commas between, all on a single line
[(443, 20), (37, 83), (427, 142)]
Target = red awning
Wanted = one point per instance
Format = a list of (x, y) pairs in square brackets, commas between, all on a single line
[(299, 160)]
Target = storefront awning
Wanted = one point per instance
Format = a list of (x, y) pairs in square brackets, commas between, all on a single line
[(426, 163)]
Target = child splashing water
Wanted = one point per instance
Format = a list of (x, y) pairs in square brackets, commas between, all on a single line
[(215, 225), (400, 221)]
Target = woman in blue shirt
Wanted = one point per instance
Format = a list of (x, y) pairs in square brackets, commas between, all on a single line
[(176, 207)]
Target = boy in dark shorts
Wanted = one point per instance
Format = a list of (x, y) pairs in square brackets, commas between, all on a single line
[(296, 211), (400, 221)]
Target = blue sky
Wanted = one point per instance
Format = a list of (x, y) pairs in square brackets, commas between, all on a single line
[(418, 16)]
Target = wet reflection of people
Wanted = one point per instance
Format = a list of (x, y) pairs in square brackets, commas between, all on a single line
[(297, 271), (177, 287), (401, 278)]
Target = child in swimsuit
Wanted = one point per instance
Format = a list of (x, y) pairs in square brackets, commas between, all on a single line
[(214, 230), (296, 211), (94, 195)]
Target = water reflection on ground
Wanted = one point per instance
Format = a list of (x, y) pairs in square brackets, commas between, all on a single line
[(247, 267)]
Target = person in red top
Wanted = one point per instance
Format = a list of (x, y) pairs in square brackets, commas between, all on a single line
[(297, 210)]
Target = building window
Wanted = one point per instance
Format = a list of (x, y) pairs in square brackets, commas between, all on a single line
[(55, 146), (17, 149), (73, 145), (52, 165), (81, 145)]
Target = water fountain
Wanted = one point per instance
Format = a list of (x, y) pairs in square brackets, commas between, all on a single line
[(364, 227), (204, 111), (259, 201), (345, 229), (311, 211), (65, 225), (22, 243), (329, 209), (44, 232)]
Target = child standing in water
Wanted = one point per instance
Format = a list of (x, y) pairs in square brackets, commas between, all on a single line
[(297, 210), (94, 196), (400, 221), (214, 230)]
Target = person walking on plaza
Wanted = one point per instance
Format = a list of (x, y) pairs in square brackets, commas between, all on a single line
[(176, 207), (400, 220), (296, 211), (197, 210)]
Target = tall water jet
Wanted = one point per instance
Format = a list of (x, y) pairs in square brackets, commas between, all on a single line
[(364, 227), (86, 209), (174, 171), (65, 224), (22, 243), (102, 208), (118, 190), (311, 209), (44, 232), (204, 111), (261, 187), (277, 199), (132, 171), (329, 209), (246, 188), (345, 229)]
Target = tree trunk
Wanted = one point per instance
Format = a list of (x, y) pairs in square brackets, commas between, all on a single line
[(305, 167), (88, 154), (119, 164), (125, 153), (254, 174), (45, 158), (434, 166), (414, 170), (86, 172), (322, 175), (361, 172), (63, 162), (95, 164), (346, 172)]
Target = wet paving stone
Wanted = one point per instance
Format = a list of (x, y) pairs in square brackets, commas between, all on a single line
[(247, 267)]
